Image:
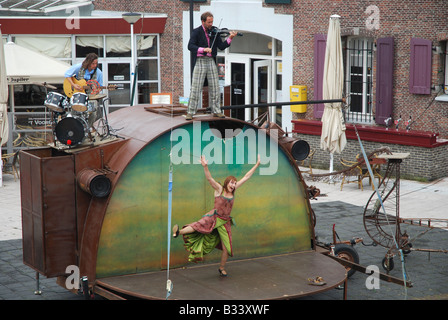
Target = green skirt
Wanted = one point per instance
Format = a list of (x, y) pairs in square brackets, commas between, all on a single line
[(200, 244)]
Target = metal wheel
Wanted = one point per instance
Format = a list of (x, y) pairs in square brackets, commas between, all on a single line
[(388, 263), (383, 225), (347, 252)]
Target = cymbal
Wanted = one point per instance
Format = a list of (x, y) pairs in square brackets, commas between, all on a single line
[(46, 85), (97, 96)]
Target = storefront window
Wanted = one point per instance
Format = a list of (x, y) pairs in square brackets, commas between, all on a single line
[(278, 48), (88, 44), (147, 70), (55, 47), (118, 46), (118, 72), (147, 46), (253, 43), (144, 90), (120, 96)]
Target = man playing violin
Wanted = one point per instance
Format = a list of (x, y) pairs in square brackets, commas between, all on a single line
[(204, 45)]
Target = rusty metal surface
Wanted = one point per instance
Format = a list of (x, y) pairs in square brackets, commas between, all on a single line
[(48, 211), (137, 128), (268, 278)]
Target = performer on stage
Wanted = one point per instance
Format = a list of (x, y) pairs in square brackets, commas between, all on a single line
[(88, 70), (214, 228), (204, 47)]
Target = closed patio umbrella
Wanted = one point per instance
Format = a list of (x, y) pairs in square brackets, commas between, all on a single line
[(4, 129), (333, 136), (3, 96)]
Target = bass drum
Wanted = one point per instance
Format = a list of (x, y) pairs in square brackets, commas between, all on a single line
[(71, 130)]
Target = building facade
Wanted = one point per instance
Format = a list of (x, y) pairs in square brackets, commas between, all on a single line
[(395, 56), (401, 45)]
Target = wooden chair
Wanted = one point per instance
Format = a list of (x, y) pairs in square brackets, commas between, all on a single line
[(307, 162), (355, 172), (8, 167), (375, 164)]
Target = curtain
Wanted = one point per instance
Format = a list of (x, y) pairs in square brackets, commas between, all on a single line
[(56, 47)]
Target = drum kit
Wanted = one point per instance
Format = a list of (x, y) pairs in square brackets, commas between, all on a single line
[(73, 117)]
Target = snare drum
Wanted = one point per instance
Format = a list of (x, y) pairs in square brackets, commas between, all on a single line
[(80, 102), (55, 101), (71, 130)]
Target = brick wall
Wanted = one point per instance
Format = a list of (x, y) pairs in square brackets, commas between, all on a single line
[(422, 163), (400, 19), (171, 62)]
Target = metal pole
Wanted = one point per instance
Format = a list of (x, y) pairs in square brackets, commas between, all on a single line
[(278, 104), (37, 291), (132, 65), (191, 31)]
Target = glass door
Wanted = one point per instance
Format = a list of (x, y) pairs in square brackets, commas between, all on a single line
[(262, 84), (239, 76), (118, 74)]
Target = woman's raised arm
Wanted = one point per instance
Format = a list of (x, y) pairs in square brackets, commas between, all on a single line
[(248, 174), (215, 185)]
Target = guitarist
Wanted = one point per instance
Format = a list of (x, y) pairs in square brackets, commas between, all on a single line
[(87, 70)]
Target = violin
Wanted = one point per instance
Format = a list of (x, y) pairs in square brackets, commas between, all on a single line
[(224, 32)]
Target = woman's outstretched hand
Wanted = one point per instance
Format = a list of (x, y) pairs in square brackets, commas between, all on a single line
[(203, 161)]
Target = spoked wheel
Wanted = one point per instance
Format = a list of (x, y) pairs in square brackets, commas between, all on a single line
[(382, 225)]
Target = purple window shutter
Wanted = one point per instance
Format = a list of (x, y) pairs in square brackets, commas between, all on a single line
[(384, 79), (320, 44), (420, 66)]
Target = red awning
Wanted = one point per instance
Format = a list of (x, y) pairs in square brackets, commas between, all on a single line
[(85, 25)]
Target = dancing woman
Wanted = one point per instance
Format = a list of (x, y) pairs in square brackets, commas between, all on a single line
[(214, 228)]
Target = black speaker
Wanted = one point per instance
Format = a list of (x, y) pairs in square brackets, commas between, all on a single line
[(300, 150), (94, 183), (100, 186)]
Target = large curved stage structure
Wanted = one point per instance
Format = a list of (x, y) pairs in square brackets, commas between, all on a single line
[(103, 207)]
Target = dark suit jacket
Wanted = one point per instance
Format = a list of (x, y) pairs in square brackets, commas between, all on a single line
[(198, 40)]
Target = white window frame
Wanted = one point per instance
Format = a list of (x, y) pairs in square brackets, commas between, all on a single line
[(366, 115)]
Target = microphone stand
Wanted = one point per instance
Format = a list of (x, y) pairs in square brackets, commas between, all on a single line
[(109, 129)]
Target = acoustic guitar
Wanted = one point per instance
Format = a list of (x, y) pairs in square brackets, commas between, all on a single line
[(88, 87)]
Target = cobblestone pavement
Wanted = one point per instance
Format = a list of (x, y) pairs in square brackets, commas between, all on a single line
[(344, 209)]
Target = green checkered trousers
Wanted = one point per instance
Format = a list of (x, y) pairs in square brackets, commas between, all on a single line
[(205, 67)]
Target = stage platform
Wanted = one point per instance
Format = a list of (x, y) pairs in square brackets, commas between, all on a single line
[(266, 278)]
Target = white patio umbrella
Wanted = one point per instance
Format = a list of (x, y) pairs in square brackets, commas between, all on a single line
[(21, 65), (4, 129), (25, 66), (3, 96), (333, 136)]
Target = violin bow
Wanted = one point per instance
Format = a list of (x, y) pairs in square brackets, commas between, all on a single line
[(216, 35)]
